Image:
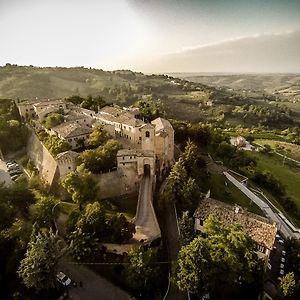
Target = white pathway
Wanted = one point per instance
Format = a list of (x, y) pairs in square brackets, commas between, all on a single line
[(264, 205), (147, 228)]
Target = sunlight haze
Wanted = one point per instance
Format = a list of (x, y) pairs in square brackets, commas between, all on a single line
[(150, 36)]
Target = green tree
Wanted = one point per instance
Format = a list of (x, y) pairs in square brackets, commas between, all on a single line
[(186, 226), (80, 185), (83, 246), (103, 158), (226, 256), (42, 210), (191, 271), (175, 181), (120, 229), (53, 119), (190, 156), (287, 285), (150, 109), (140, 272), (92, 219), (98, 137), (189, 195), (39, 267)]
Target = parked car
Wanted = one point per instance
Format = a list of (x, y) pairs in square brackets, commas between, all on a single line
[(281, 272), (283, 252), (281, 266), (282, 259), (63, 279), (281, 241), (15, 168), (15, 172), (14, 177)]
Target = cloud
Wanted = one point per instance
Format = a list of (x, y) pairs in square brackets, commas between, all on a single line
[(260, 53)]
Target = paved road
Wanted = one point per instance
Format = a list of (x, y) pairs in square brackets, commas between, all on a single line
[(147, 227), (286, 157), (170, 234), (93, 286), (265, 205)]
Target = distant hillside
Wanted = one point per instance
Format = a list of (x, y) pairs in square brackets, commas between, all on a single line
[(283, 85), (191, 100)]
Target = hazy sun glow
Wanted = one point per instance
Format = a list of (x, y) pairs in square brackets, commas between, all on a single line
[(135, 34)]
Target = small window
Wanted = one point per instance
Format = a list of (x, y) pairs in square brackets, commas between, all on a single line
[(130, 157), (123, 157), (201, 222), (69, 168), (140, 138), (147, 134)]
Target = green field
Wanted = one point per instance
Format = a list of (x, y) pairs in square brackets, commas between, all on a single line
[(125, 205), (223, 190), (287, 174), (290, 150)]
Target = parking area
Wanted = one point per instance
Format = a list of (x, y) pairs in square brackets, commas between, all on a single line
[(88, 285), (10, 171), (276, 266), (4, 175)]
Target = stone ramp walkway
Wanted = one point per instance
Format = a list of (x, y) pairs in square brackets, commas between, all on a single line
[(147, 228)]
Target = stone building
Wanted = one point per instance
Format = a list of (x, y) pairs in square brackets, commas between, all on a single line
[(260, 229), (139, 160), (75, 134), (66, 162), (155, 138)]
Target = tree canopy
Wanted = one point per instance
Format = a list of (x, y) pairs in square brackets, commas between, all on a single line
[(42, 210), (53, 119), (98, 137), (81, 185), (226, 255), (13, 134), (140, 272), (39, 267), (102, 158)]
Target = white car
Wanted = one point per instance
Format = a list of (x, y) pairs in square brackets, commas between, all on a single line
[(283, 252), (282, 259), (281, 266), (63, 278), (280, 241), (281, 272)]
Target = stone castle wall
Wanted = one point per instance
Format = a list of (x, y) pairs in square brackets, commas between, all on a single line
[(42, 159), (116, 183)]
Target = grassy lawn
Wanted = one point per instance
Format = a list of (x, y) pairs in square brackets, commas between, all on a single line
[(125, 205), (223, 190), (289, 176), (66, 207), (291, 150)]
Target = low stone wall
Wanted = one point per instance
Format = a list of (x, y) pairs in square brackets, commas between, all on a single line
[(42, 158)]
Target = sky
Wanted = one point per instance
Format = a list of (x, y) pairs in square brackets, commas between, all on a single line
[(153, 35)]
